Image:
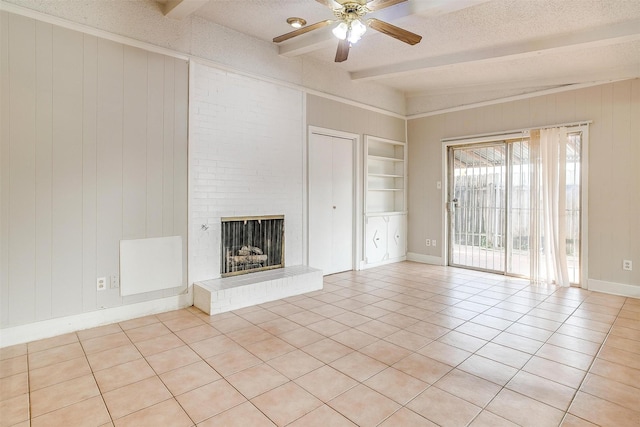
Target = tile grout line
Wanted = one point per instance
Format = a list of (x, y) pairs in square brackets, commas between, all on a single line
[(595, 357)]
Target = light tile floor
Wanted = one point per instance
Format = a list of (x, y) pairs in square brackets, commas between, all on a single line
[(400, 345)]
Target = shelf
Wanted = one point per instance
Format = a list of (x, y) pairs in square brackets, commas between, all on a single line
[(385, 213), (385, 170), (384, 149), (385, 182), (385, 175), (385, 159)]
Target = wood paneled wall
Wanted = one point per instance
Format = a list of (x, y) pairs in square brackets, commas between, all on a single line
[(93, 150), (330, 114)]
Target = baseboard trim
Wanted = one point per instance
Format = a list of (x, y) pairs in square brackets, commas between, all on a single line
[(364, 265), (425, 259), (62, 325), (614, 288)]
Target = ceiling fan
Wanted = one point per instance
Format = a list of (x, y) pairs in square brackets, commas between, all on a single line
[(349, 14)]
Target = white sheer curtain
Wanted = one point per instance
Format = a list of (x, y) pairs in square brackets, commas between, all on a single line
[(548, 151)]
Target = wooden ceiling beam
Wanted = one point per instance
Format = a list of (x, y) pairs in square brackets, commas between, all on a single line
[(180, 9), (605, 36)]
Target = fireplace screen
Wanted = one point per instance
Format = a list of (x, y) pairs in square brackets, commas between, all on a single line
[(251, 244)]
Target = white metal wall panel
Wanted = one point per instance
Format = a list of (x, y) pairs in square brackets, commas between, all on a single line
[(148, 265)]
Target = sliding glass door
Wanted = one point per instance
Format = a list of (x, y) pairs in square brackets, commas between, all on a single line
[(494, 207), (477, 201), (519, 255)]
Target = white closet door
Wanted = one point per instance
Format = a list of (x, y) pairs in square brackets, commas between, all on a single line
[(320, 199), (342, 207), (330, 203)]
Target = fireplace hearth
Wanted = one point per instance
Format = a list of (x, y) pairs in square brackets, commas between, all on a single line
[(250, 244)]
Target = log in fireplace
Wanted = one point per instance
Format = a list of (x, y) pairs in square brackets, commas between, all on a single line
[(251, 243)]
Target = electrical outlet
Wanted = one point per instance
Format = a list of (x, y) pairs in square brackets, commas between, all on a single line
[(627, 265), (115, 282), (433, 242), (101, 283), (428, 242)]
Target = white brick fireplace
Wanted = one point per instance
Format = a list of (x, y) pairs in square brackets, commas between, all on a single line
[(251, 169)]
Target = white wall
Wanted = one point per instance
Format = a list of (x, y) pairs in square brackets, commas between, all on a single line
[(93, 150), (614, 176), (246, 145)]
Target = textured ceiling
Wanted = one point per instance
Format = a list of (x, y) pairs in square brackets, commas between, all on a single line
[(471, 49)]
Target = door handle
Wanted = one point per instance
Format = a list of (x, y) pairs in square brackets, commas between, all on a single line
[(334, 207)]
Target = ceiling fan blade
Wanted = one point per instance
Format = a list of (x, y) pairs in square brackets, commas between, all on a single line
[(302, 31), (343, 51), (381, 4), (331, 4), (395, 32)]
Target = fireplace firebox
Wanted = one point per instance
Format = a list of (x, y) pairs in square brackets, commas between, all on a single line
[(251, 243)]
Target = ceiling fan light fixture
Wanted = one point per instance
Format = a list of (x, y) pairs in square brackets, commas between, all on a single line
[(357, 31), (296, 22), (350, 16), (340, 31), (352, 31)]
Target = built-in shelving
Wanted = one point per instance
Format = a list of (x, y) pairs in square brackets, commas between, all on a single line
[(385, 166), (385, 201)]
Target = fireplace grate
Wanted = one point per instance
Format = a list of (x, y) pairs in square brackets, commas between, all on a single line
[(251, 244)]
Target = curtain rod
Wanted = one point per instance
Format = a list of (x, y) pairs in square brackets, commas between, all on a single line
[(514, 131)]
